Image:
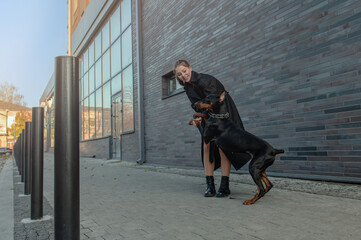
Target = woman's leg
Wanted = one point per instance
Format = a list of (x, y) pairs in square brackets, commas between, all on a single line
[(225, 164), (223, 190), (209, 169), (208, 166)]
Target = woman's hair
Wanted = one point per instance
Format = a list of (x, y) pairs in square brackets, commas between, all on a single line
[(180, 63)]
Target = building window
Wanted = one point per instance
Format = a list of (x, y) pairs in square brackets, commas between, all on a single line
[(115, 58), (86, 119), (92, 116), (115, 25), (98, 46), (99, 113), (128, 109), (170, 85), (106, 69), (98, 74), (107, 110)]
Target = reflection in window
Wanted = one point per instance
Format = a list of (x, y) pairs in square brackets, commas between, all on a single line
[(98, 73), (86, 85), (117, 84), (81, 67), (92, 115), (106, 110), (128, 111), (86, 61), (126, 13), (105, 36), (106, 66), (115, 24), (91, 54), (115, 58), (127, 50), (170, 85), (86, 118), (81, 84), (98, 46), (91, 80), (98, 113)]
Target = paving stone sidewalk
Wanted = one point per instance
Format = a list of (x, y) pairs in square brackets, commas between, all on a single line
[(6, 198), (24, 228), (122, 200)]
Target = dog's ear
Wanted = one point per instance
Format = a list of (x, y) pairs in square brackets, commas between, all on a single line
[(222, 96)]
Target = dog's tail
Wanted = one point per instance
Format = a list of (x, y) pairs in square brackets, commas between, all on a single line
[(278, 151)]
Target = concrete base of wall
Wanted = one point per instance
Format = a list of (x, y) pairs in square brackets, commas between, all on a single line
[(98, 148)]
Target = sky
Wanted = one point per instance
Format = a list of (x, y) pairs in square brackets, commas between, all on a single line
[(32, 34)]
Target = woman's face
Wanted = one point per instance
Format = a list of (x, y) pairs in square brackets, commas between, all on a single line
[(183, 73)]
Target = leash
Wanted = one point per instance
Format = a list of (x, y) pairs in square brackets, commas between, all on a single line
[(219, 115)]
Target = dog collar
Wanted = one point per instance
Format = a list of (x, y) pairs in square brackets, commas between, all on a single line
[(220, 115)]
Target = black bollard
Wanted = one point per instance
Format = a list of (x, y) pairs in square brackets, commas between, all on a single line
[(16, 154), (18, 146), (37, 162), (27, 172), (66, 150), (22, 155), (17, 149)]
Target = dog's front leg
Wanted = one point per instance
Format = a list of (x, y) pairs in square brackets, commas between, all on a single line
[(209, 132)]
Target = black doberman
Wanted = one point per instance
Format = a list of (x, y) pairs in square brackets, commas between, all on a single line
[(229, 137)]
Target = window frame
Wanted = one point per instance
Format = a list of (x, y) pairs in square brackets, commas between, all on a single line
[(166, 80)]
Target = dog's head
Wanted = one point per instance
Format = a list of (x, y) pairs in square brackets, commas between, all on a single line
[(211, 102)]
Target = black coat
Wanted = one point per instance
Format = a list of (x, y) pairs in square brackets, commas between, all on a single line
[(200, 86)]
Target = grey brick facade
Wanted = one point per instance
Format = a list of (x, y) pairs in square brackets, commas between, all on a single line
[(292, 67)]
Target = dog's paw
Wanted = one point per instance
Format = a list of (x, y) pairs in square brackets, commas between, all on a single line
[(248, 202), (194, 122)]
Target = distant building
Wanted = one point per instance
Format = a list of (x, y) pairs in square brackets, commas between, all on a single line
[(292, 67), (7, 119)]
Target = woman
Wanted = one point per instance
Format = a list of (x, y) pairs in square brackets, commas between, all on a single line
[(197, 87)]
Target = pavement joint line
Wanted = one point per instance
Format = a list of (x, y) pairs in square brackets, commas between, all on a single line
[(44, 218)]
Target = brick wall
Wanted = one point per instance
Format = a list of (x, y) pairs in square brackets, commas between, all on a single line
[(292, 67)]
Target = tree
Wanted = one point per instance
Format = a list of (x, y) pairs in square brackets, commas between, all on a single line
[(20, 119), (8, 93)]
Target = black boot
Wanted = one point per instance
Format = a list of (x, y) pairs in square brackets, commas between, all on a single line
[(223, 190), (211, 189)]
